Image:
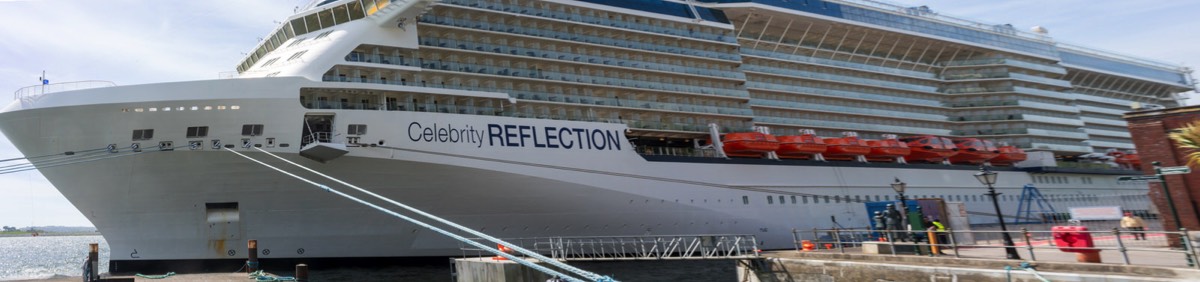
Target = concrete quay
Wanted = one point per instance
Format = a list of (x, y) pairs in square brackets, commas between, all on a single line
[(854, 266)]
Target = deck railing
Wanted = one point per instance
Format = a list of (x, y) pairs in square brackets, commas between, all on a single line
[(42, 89)]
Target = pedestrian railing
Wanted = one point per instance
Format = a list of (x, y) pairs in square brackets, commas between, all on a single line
[(1164, 248), (649, 247)]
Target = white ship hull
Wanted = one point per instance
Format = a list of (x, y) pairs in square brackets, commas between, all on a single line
[(155, 206)]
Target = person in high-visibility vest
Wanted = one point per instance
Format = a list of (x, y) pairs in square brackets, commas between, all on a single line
[(941, 233)]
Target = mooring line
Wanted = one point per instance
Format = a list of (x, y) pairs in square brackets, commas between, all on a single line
[(414, 221)]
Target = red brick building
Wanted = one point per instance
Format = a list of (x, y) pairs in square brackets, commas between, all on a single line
[(1149, 129)]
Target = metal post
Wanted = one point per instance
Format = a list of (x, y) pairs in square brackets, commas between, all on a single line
[(953, 243), (891, 242), (1028, 244), (251, 255), (94, 261), (301, 272), (904, 218), (1121, 244), (837, 235), (795, 240), (1010, 248), (933, 243), (1187, 247), (1162, 182)]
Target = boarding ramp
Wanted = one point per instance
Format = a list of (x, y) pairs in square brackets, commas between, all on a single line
[(647, 247)]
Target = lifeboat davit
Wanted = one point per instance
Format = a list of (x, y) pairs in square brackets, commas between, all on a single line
[(1129, 160), (888, 149), (849, 147), (749, 144), (807, 145), (974, 151), (1008, 155), (929, 148)]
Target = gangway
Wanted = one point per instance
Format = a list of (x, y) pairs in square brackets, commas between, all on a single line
[(647, 247)]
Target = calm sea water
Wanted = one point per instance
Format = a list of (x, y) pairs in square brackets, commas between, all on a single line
[(47, 256), (44, 257)]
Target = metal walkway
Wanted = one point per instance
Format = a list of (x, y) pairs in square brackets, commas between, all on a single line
[(650, 247)]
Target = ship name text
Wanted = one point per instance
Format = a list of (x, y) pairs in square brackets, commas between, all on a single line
[(511, 135)]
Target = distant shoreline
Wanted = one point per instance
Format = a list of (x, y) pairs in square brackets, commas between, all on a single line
[(48, 234)]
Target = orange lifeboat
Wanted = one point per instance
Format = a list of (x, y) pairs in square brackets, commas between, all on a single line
[(849, 147), (802, 146), (1008, 155), (749, 144), (929, 148), (1130, 160), (888, 149), (974, 151)]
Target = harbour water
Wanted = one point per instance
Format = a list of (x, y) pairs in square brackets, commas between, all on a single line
[(46, 257)]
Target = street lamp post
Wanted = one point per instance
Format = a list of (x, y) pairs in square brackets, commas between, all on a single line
[(988, 177), (899, 186)]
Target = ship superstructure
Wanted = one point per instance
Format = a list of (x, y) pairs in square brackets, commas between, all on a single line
[(576, 118)]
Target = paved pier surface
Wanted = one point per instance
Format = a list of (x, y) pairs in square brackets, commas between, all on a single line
[(974, 265)]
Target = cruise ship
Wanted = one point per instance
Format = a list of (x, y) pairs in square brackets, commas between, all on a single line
[(586, 118)]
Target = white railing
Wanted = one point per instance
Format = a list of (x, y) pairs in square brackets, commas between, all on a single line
[(648, 247), (38, 90)]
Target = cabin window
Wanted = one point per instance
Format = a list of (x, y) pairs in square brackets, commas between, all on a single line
[(770, 200), (197, 131), (857, 199), (837, 199), (876, 198), (745, 200), (143, 134), (793, 199), (781, 200), (252, 129), (357, 129), (826, 199)]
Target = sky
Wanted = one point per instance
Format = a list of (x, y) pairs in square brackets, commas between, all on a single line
[(137, 42)]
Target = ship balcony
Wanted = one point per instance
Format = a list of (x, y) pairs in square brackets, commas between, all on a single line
[(1102, 110), (1018, 117), (692, 68), (1103, 121), (1104, 100), (1109, 133), (840, 125), (836, 63), (690, 32), (840, 79), (1013, 103), (1007, 62), (1013, 89), (796, 89), (834, 109), (1056, 147), (540, 74), (977, 76), (593, 40), (1106, 144), (1020, 131)]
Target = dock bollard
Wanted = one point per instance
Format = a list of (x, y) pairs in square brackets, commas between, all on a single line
[(252, 256), (302, 272), (94, 260)]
